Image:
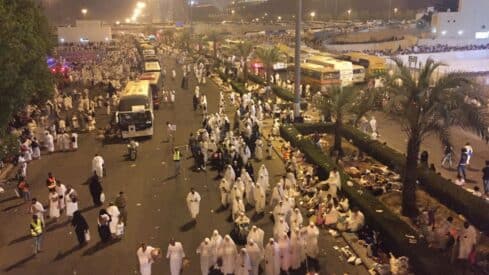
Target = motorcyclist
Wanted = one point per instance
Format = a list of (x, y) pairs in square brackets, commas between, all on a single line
[(132, 146)]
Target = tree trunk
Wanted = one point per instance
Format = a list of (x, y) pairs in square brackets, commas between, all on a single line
[(245, 72), (337, 135), (410, 177), (214, 46)]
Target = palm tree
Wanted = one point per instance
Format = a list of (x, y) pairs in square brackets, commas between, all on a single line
[(339, 102), (366, 101), (268, 56), (423, 108), (244, 50), (214, 37)]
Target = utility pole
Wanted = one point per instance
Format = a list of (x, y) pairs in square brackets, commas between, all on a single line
[(297, 83)]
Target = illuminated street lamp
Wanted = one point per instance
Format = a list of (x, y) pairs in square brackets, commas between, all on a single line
[(395, 11), (349, 13), (84, 12), (233, 12), (128, 20), (117, 22), (141, 5), (279, 18), (312, 14)]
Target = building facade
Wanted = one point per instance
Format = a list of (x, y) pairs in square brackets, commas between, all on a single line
[(471, 21), (85, 31)]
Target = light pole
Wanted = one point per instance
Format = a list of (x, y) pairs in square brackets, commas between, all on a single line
[(84, 12), (395, 12), (297, 83), (349, 14), (312, 14), (390, 9)]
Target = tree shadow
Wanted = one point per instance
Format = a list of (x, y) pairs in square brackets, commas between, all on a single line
[(9, 199), (62, 255), (189, 225), (19, 263), (99, 246), (13, 206)]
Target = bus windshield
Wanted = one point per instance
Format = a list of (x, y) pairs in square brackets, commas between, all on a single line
[(135, 118)]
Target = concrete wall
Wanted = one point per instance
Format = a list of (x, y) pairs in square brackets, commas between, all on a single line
[(88, 30)]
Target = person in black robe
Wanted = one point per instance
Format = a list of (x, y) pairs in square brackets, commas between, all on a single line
[(95, 189), (104, 220), (81, 226)]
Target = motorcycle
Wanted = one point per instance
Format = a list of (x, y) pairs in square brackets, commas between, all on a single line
[(132, 150)]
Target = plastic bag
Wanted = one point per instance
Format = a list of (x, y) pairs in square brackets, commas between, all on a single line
[(87, 235), (102, 197)]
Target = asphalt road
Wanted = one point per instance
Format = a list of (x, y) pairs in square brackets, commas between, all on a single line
[(156, 204)]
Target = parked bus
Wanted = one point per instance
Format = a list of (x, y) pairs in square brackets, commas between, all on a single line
[(345, 67), (318, 76), (135, 114), (156, 85), (373, 64), (358, 74), (152, 66)]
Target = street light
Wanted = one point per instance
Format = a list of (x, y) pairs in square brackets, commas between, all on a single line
[(84, 12), (279, 18), (312, 14), (141, 5), (349, 13), (117, 22), (128, 20), (395, 11), (233, 12)]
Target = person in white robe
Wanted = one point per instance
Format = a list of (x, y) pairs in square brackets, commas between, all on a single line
[(228, 253), (37, 208), (230, 175), (259, 150), (249, 187), (334, 181), (98, 165), (355, 221), (467, 241), (277, 194), (176, 255), (279, 228), (238, 207), (311, 235), (114, 213), (281, 210), (61, 191), (373, 124), (193, 203), (205, 252), (256, 256), (144, 254), (216, 240), (49, 142), (297, 253), (71, 201), (272, 258), (224, 189), (260, 198), (296, 219), (243, 263), (235, 193), (66, 141), (54, 205), (284, 248), (256, 235)]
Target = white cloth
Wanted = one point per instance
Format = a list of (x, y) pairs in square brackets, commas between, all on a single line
[(61, 190), (98, 166), (228, 253), (145, 260), (468, 238), (243, 264), (54, 205), (256, 255), (225, 189), (193, 204), (71, 206), (311, 234), (260, 198), (175, 254), (284, 249), (297, 254), (205, 252), (49, 143), (114, 214), (272, 259), (216, 240), (280, 228), (256, 235), (74, 141)]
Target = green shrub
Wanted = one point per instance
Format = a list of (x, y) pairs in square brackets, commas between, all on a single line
[(393, 230), (475, 209)]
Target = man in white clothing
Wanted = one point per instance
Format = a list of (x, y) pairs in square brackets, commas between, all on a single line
[(98, 165), (260, 198), (37, 209), (243, 263), (193, 203), (145, 258), (311, 235), (373, 124), (468, 240), (114, 213), (176, 255)]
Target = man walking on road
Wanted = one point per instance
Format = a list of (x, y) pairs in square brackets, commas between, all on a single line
[(121, 203), (485, 177), (171, 129), (37, 230), (193, 203)]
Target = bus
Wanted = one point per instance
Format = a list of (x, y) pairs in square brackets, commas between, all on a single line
[(358, 74), (152, 66), (156, 85), (345, 67), (135, 113), (373, 64), (319, 77)]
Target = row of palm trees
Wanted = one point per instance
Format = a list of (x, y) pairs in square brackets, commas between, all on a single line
[(421, 105)]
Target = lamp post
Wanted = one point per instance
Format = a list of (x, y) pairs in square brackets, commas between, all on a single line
[(349, 14), (312, 14), (84, 12), (297, 82), (395, 12)]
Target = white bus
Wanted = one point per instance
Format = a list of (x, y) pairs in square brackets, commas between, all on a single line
[(135, 114), (345, 67), (358, 74), (152, 66)]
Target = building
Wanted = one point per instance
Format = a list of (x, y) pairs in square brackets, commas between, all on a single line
[(85, 31), (469, 22)]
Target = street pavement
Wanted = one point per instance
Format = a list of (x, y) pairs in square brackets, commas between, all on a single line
[(156, 203), (391, 132)]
